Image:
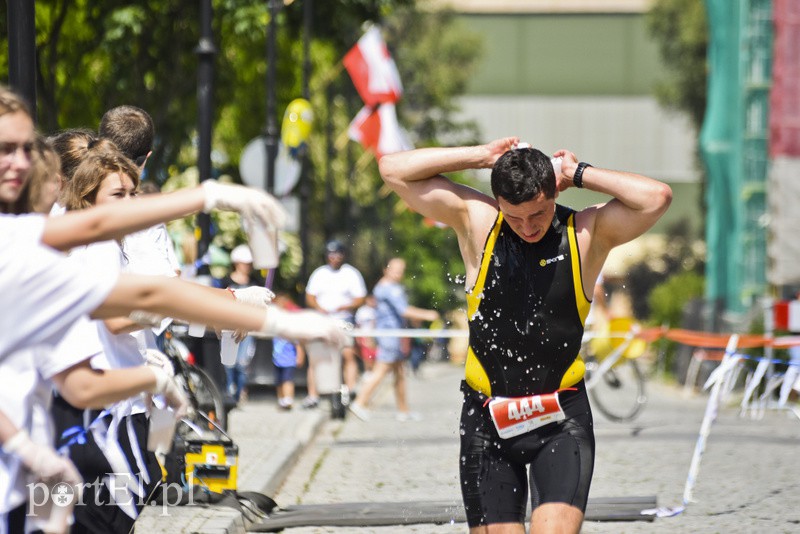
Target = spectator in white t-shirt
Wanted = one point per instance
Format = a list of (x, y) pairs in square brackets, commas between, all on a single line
[(338, 290)]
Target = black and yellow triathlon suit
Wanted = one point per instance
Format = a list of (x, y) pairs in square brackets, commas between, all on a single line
[(526, 316)]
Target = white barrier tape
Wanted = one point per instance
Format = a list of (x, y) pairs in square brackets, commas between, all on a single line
[(406, 332), (441, 333), (705, 428)]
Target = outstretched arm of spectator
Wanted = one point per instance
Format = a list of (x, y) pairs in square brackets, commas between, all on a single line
[(85, 387), (109, 221), (193, 303)]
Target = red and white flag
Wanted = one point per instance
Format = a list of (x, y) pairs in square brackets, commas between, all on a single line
[(378, 131), (373, 70)]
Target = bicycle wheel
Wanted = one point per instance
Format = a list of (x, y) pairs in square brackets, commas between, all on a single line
[(204, 395), (619, 394)]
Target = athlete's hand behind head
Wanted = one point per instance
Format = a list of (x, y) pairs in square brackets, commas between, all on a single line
[(248, 201), (497, 148), (569, 162)]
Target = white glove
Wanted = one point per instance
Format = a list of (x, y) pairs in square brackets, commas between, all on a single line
[(254, 295), (42, 461), (159, 360), (173, 394), (248, 201), (303, 326), (145, 318)]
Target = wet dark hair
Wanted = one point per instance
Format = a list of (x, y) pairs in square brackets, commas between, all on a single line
[(522, 174)]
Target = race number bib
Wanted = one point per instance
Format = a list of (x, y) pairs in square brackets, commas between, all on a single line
[(515, 416)]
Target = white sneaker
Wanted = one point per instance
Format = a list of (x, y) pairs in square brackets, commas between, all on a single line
[(358, 411), (404, 417)]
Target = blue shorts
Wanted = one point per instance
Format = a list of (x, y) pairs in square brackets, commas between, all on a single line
[(284, 374), (389, 350)]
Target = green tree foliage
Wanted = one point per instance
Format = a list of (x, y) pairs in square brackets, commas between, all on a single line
[(681, 30), (682, 254), (95, 55), (668, 299)]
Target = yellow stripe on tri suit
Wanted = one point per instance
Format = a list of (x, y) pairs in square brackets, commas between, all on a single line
[(527, 311)]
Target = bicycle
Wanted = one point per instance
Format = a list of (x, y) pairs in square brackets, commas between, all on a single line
[(614, 379), (200, 388)]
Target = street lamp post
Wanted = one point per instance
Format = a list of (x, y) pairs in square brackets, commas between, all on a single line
[(305, 186), (22, 50), (205, 88), (271, 132)]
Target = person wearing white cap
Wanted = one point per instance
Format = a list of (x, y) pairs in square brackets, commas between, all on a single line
[(242, 275)]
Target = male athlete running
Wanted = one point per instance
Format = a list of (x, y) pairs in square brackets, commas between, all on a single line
[(530, 265)]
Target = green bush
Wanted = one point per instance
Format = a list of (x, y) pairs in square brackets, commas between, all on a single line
[(667, 300)]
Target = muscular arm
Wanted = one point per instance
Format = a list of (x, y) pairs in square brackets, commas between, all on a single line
[(637, 203), (416, 176)]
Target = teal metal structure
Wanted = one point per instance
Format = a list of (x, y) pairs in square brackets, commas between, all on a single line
[(733, 144)]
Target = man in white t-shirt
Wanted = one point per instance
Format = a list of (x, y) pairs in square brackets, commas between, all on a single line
[(338, 290)]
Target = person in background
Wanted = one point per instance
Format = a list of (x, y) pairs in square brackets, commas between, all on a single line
[(393, 311), (71, 145), (241, 276), (287, 356), (150, 251), (336, 289), (367, 347)]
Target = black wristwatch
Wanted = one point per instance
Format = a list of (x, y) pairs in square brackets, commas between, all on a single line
[(577, 178)]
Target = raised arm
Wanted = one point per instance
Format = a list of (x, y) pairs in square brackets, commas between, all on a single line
[(113, 221), (416, 175), (637, 203)]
